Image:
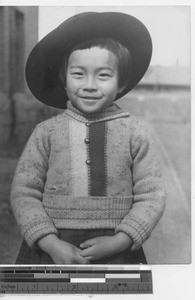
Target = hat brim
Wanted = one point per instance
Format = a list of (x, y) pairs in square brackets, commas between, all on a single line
[(42, 67)]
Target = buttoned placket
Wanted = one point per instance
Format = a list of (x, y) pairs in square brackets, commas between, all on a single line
[(87, 141)]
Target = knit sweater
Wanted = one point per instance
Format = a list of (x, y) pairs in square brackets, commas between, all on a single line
[(82, 171)]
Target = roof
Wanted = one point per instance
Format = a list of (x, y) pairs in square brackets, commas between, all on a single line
[(167, 75)]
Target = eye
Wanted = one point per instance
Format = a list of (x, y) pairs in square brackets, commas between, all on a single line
[(104, 75), (77, 74)]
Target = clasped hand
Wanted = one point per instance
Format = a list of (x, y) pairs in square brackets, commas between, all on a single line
[(97, 248), (105, 246)]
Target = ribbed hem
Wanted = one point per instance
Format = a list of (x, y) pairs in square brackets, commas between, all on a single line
[(86, 212), (38, 230), (136, 228), (111, 112)]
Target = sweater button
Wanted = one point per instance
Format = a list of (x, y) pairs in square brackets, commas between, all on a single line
[(87, 141), (88, 162), (88, 124)]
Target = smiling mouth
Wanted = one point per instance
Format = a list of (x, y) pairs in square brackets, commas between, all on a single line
[(90, 98)]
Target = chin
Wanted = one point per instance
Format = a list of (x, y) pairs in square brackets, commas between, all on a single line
[(90, 108)]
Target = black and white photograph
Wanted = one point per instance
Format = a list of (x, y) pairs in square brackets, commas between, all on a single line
[(95, 135)]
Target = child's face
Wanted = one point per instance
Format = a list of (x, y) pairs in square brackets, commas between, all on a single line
[(92, 79)]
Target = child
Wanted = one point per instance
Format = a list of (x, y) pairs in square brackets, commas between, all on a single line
[(88, 186)]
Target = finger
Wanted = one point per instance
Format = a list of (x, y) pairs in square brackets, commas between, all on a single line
[(87, 261), (89, 258), (82, 260), (87, 243), (86, 252)]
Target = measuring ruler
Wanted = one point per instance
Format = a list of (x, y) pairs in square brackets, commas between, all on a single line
[(76, 279)]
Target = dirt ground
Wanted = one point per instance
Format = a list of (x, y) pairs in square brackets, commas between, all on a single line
[(163, 246)]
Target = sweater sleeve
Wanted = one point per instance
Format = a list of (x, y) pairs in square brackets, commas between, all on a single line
[(27, 189), (148, 191)]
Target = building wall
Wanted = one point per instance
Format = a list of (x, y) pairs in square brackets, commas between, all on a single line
[(19, 110)]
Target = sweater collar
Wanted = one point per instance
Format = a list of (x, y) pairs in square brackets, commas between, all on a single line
[(111, 112)]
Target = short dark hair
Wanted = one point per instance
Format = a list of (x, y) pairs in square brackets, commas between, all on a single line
[(122, 54)]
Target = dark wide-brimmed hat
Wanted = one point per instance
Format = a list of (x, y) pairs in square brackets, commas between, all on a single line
[(42, 67)]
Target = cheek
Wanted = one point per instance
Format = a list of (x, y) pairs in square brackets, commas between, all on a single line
[(71, 85), (112, 87)]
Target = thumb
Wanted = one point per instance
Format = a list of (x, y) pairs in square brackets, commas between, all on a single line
[(87, 244)]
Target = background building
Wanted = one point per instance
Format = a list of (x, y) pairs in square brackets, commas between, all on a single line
[(18, 109)]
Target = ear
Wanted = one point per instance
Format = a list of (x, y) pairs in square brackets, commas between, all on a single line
[(121, 89)]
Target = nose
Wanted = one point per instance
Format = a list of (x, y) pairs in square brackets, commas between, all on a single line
[(90, 84)]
